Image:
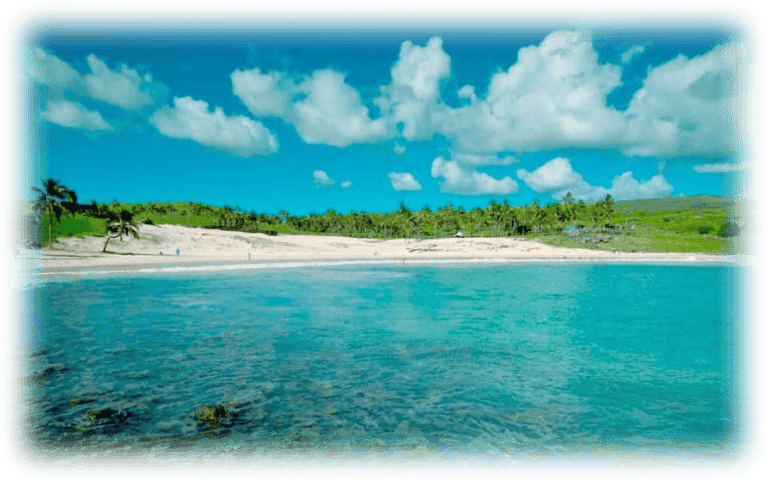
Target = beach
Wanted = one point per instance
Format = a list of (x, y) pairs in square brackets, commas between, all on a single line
[(158, 246)]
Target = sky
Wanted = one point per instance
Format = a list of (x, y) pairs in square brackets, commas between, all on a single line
[(310, 119)]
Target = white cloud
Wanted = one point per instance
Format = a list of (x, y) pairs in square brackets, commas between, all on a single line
[(469, 182), (422, 68), (479, 160), (625, 187), (403, 182), (413, 97), (688, 107), (333, 114), (556, 174), (719, 167), (346, 184), (554, 96), (467, 91), (399, 149), (631, 53), (124, 89), (73, 115), (322, 179), (190, 119), (52, 71), (323, 108), (558, 178), (264, 94)]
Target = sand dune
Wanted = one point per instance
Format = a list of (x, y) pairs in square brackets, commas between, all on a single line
[(158, 245)]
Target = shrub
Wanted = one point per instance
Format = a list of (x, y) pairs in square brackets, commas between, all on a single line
[(728, 229), (705, 230)]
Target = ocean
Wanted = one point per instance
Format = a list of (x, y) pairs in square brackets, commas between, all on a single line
[(450, 358)]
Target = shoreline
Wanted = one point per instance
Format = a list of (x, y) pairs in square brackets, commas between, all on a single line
[(194, 267), (77, 257)]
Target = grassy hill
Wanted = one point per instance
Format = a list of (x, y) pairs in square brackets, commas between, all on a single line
[(674, 204)]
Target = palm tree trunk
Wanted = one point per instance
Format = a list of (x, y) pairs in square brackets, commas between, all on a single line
[(106, 243), (50, 226)]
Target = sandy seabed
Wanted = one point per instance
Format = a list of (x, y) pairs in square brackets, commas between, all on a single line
[(200, 247)]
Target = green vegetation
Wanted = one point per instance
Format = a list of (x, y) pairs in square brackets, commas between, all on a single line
[(52, 203), (684, 224), (124, 225)]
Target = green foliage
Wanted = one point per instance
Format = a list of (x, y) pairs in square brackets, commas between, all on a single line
[(728, 229), (70, 226), (124, 224), (53, 200), (656, 226)]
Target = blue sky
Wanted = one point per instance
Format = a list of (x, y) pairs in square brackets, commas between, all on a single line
[(311, 119)]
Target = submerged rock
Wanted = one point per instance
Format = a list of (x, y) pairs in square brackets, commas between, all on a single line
[(105, 417), (212, 415)]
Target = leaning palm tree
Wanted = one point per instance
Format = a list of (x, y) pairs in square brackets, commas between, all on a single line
[(123, 225), (50, 201)]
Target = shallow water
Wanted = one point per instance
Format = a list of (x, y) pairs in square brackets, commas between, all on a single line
[(486, 358)]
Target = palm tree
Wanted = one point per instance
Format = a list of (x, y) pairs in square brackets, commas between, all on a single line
[(123, 225), (607, 207), (50, 201), (567, 200)]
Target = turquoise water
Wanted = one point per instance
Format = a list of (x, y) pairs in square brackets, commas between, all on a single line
[(506, 358)]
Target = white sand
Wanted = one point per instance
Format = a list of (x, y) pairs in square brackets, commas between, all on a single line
[(199, 246)]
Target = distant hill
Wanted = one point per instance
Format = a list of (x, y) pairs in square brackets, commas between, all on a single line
[(674, 204)]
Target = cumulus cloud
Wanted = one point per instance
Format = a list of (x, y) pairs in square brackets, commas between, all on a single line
[(478, 160), (322, 179), (413, 97), (719, 167), (470, 182), (332, 112), (631, 53), (688, 107), (124, 88), (50, 70), (556, 174), (403, 182), (190, 119), (626, 187), (346, 184), (553, 96), (322, 107), (558, 178), (73, 115), (264, 94)]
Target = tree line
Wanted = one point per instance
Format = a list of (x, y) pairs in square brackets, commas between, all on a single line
[(496, 220)]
